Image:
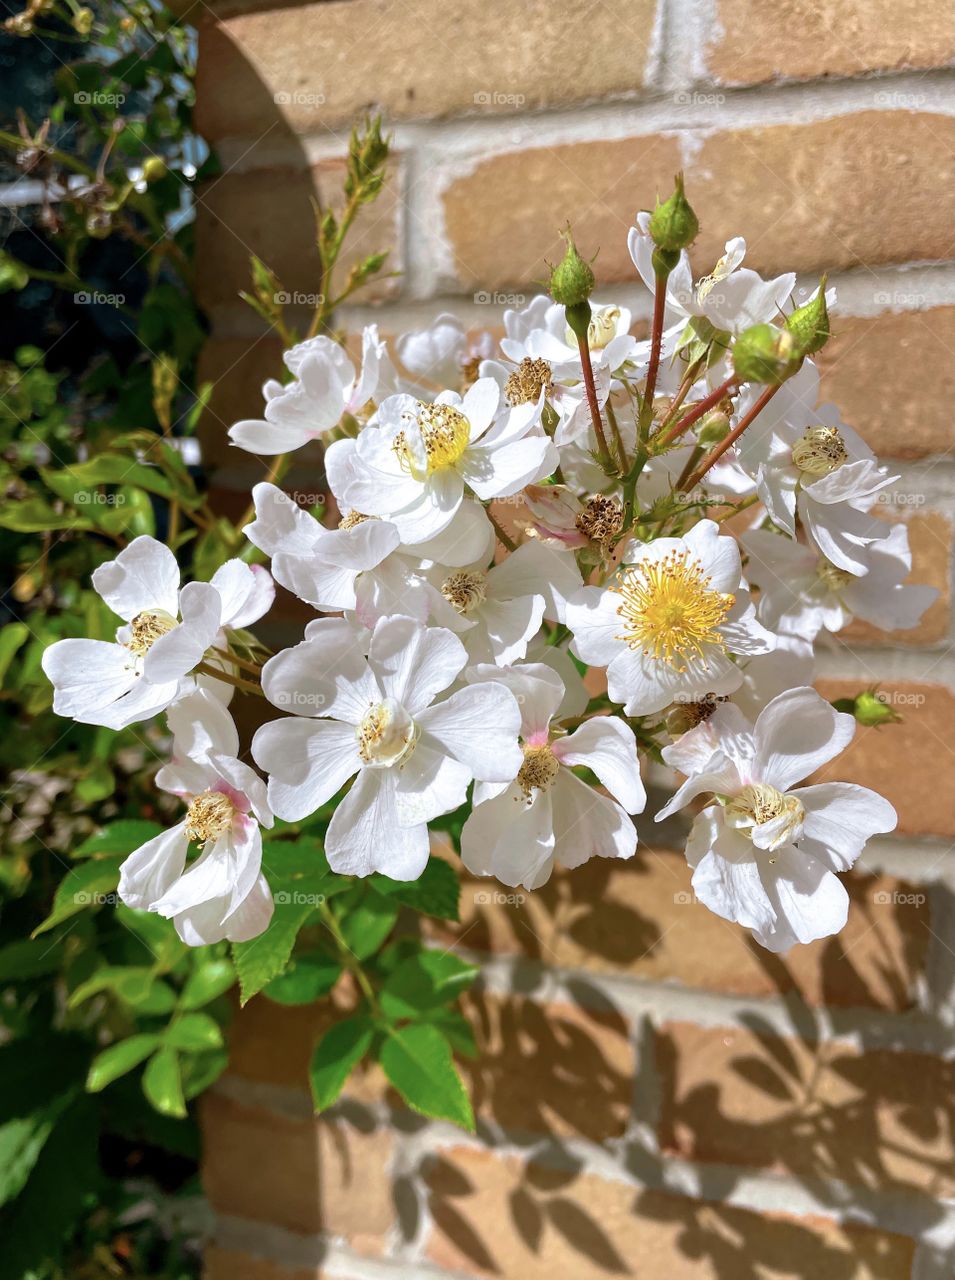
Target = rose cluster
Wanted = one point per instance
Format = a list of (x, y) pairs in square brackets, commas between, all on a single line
[(555, 557)]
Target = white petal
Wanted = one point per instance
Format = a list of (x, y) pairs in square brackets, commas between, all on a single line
[(535, 568), (807, 896), (87, 676), (727, 880), (429, 783), (413, 663), (842, 817), (148, 872), (203, 925), (308, 761), (468, 539), (143, 576), (255, 435), (592, 615), (247, 592), (795, 734), (325, 675), (365, 834), (511, 839), (587, 824), (478, 726), (538, 689), (608, 747), (176, 653), (503, 471), (503, 629), (227, 869), (717, 553), (201, 724), (280, 524)]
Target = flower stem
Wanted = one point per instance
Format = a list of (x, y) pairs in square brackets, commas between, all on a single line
[(583, 345), (656, 338), (348, 957), (719, 449), (503, 537), (246, 686), (252, 667), (662, 440)]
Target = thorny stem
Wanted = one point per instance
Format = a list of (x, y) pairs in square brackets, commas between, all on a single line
[(503, 537), (622, 459), (588, 371), (691, 375), (661, 440), (348, 957), (656, 336), (719, 449)]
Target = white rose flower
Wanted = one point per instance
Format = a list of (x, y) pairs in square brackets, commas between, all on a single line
[(166, 634), (376, 719), (223, 894), (765, 854), (666, 626)]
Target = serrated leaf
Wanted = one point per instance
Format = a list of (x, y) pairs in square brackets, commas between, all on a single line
[(417, 1060), (90, 884), (194, 1032), (340, 1049), (306, 978), (368, 924), (424, 982), (455, 1027), (435, 892), (118, 1059), (162, 1083)]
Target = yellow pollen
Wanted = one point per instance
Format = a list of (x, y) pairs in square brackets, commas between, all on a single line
[(465, 590), (146, 628), (669, 609), (601, 520), (759, 803), (526, 381), (539, 769), (820, 450), (834, 577), (208, 816), (444, 432), (352, 518), (385, 733)]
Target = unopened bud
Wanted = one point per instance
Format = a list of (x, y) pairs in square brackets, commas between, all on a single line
[(765, 354), (572, 280), (83, 21), (714, 427), (809, 324), (673, 224), (869, 708), (154, 168)]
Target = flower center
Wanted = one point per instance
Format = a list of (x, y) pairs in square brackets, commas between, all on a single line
[(352, 518), (602, 328), (601, 520), (208, 816), (820, 450), (526, 381), (539, 769), (465, 590), (386, 734), (146, 628), (834, 577), (437, 437), (669, 610), (759, 803)]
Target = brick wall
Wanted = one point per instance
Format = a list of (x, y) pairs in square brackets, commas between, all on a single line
[(656, 1095)]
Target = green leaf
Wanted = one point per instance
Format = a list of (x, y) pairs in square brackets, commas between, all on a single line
[(91, 884), (21, 1141), (417, 1060), (435, 893), (424, 982), (118, 1059), (34, 515), (76, 484), (162, 1083), (367, 926), (340, 1049), (306, 978), (209, 980), (120, 837), (455, 1026), (130, 983), (29, 958), (160, 942), (13, 636), (194, 1032)]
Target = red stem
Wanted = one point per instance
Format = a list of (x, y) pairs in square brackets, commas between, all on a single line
[(718, 450), (697, 412), (591, 389), (656, 339)]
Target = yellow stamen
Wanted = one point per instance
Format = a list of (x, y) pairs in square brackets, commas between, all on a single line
[(526, 381), (759, 803), (386, 733), (465, 590), (669, 609), (352, 518), (208, 816), (835, 578), (442, 435), (146, 628), (820, 450), (539, 769)]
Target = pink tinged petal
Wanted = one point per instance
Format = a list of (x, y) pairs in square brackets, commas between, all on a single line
[(587, 824), (478, 726), (255, 435), (511, 839), (243, 786), (203, 925), (154, 867), (365, 834), (843, 817), (246, 591), (200, 724), (144, 576), (537, 688), (325, 675), (308, 762), (280, 524), (795, 734), (607, 746), (175, 654), (414, 663), (811, 901), (428, 783)]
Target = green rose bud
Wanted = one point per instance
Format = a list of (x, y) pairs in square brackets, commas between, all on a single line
[(765, 354), (83, 21), (572, 280), (673, 224), (809, 324), (869, 708), (714, 427)]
